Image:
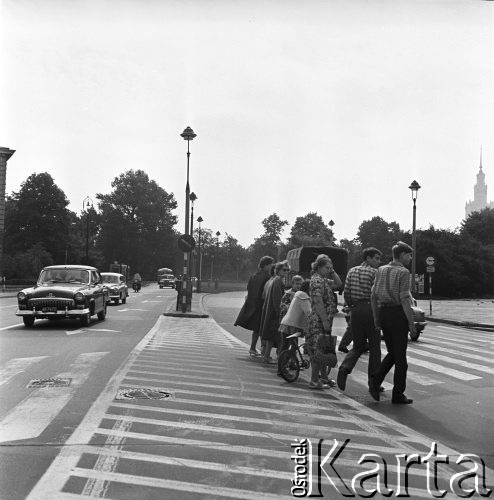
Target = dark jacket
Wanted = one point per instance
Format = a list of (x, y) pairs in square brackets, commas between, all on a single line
[(249, 316), (270, 317)]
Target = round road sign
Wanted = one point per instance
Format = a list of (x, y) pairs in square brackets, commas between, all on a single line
[(186, 243), (430, 261)]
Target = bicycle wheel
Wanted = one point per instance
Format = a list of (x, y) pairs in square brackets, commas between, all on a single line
[(289, 366)]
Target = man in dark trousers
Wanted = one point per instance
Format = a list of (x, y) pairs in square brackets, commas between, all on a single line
[(357, 293), (392, 309), (250, 314)]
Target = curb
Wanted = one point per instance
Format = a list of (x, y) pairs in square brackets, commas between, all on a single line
[(464, 324), (194, 313)]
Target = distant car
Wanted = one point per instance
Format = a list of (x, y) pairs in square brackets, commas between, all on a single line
[(70, 291), (167, 280), (117, 287)]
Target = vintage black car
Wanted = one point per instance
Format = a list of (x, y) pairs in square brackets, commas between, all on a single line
[(117, 287), (69, 291)]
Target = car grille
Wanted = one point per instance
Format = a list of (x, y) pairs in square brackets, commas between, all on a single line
[(58, 303)]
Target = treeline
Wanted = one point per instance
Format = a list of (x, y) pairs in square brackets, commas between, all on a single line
[(135, 224)]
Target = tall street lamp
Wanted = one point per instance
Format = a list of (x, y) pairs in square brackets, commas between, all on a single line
[(199, 256), (192, 198), (188, 134), (217, 248), (414, 187), (331, 224), (87, 204)]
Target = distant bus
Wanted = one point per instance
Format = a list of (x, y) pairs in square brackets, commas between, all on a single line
[(165, 277)]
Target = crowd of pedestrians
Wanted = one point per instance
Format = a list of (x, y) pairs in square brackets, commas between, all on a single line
[(379, 302)]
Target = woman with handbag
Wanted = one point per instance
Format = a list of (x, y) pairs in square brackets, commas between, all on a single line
[(319, 342)]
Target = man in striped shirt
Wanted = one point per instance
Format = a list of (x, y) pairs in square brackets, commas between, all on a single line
[(392, 310), (357, 293)]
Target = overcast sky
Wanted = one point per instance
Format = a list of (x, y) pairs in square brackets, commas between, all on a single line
[(299, 106)]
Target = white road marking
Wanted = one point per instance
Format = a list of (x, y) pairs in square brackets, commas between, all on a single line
[(215, 491), (157, 301), (442, 369), (457, 352), (32, 415), (456, 361), (127, 309), (7, 307), (85, 330), (11, 326), (16, 366)]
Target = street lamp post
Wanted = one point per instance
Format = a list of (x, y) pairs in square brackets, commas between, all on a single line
[(331, 224), (199, 257), (217, 248), (414, 187), (87, 204), (192, 198), (188, 134)]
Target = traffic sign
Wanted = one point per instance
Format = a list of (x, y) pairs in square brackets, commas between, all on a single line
[(430, 269), (430, 261), (186, 243)]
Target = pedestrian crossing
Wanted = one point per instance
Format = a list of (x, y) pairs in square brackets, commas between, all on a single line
[(30, 417), (442, 354), (227, 428)]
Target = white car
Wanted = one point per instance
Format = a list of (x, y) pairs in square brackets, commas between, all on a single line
[(116, 286)]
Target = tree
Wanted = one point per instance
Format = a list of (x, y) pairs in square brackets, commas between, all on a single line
[(310, 230), (480, 226), (269, 242), (37, 215), (378, 233), (137, 224)]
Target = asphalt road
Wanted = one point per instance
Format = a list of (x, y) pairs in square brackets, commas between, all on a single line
[(59, 349), (450, 379)]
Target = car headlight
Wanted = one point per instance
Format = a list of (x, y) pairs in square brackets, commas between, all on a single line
[(21, 296), (79, 297)]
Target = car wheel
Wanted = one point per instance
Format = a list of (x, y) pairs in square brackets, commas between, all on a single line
[(102, 314), (117, 301), (28, 320), (161, 287), (85, 320)]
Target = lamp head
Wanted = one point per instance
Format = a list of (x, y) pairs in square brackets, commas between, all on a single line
[(218, 234), (331, 223), (188, 134), (199, 219), (192, 197), (414, 187)]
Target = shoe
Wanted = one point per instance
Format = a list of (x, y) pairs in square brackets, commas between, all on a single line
[(253, 352), (269, 361), (375, 389), (327, 382), (401, 400), (316, 385), (343, 349), (381, 389), (341, 378)]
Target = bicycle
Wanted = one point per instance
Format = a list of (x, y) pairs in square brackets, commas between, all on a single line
[(291, 360)]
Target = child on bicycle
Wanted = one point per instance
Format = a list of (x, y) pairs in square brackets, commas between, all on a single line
[(296, 318)]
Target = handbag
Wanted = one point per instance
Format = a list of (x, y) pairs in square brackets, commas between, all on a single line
[(325, 354)]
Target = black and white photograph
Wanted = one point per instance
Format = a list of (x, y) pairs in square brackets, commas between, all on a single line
[(246, 249)]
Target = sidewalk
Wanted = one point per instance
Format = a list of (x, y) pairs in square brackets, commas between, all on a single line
[(469, 313)]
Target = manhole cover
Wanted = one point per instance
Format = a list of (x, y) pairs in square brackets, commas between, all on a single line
[(143, 393), (38, 383)]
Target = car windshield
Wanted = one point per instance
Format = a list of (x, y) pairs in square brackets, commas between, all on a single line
[(169, 277), (110, 279), (64, 276)]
